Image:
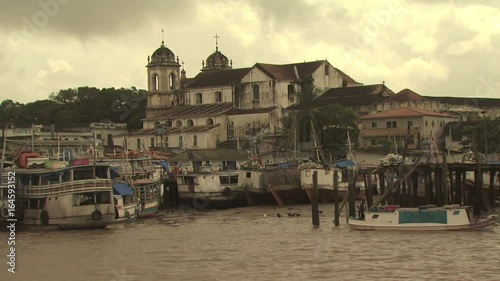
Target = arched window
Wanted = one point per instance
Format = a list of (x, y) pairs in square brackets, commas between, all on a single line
[(171, 80), (210, 121), (169, 123), (198, 98), (256, 93), (178, 123), (218, 96), (291, 93), (156, 82), (189, 123), (195, 140)]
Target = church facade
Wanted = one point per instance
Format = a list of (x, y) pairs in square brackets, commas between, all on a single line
[(222, 103)]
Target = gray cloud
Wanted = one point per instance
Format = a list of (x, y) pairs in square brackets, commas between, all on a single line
[(433, 47)]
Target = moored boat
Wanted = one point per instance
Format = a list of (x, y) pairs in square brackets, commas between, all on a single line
[(218, 189), (424, 218), (126, 203), (148, 191), (325, 182), (71, 197)]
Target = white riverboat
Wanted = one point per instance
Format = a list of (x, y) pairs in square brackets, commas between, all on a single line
[(126, 203), (218, 189), (67, 198), (424, 218)]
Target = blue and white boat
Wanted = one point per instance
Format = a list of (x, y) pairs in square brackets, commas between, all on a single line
[(126, 203)]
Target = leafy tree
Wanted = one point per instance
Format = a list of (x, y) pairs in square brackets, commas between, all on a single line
[(480, 131), (9, 112)]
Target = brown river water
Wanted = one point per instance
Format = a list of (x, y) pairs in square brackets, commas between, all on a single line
[(243, 244)]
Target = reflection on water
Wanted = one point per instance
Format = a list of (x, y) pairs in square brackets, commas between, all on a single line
[(243, 244)]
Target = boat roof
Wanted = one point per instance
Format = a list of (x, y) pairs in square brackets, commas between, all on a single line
[(45, 170), (220, 173)]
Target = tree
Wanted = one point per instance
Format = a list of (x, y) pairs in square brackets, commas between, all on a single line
[(482, 131), (331, 122)]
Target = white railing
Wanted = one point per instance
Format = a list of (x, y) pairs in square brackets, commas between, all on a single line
[(64, 187)]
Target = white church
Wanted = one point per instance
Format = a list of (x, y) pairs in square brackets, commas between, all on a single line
[(222, 103)]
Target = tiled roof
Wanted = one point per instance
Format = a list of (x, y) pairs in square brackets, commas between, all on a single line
[(347, 78), (287, 71), (192, 111), (404, 112), (351, 96), (467, 101), (405, 95), (214, 78), (236, 111), (210, 154), (174, 130)]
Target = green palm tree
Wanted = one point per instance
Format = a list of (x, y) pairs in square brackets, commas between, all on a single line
[(327, 123)]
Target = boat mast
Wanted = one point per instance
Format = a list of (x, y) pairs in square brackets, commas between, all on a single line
[(94, 151)]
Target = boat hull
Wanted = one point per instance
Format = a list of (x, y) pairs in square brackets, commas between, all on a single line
[(327, 195), (150, 209), (358, 225), (74, 222), (290, 195), (258, 196), (205, 200)]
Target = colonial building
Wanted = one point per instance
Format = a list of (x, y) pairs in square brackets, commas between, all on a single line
[(406, 124), (222, 103)]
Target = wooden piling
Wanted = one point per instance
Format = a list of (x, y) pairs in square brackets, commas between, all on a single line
[(381, 180), (314, 201), (336, 198), (414, 186), (352, 194), (369, 188), (491, 191), (457, 198)]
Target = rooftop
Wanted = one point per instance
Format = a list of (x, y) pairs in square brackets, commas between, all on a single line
[(224, 77), (192, 111), (175, 130), (211, 154), (404, 112)]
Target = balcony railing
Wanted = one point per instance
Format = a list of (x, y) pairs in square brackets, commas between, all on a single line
[(384, 132), (64, 187)]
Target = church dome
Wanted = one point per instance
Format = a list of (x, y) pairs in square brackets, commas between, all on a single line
[(217, 60), (163, 55)]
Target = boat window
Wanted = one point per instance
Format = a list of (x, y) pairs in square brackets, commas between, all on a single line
[(234, 179), (375, 217), (456, 213), (36, 203), (25, 179), (224, 180), (83, 174), (91, 198), (249, 174)]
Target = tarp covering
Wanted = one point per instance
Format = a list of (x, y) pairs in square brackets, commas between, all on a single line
[(423, 217), (122, 189), (344, 163)]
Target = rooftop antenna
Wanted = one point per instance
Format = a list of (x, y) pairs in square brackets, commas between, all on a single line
[(216, 42)]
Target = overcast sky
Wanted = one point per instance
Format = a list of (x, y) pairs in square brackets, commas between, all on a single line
[(439, 48)]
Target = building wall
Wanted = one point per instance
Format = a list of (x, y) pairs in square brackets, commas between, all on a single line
[(244, 95), (208, 95), (248, 126)]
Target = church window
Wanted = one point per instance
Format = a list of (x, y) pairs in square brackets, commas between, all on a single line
[(138, 143), (171, 80), (169, 123), (195, 140), (256, 93), (291, 93), (180, 141), (218, 96), (327, 70), (210, 121), (189, 123), (178, 123), (156, 82), (199, 98)]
